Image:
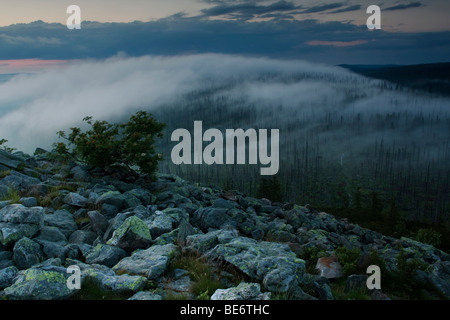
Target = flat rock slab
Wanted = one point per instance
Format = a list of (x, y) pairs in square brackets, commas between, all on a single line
[(273, 264), (150, 263)]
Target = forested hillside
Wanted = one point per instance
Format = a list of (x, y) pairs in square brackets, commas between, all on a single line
[(370, 150)]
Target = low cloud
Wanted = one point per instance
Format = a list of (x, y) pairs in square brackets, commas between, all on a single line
[(34, 107)]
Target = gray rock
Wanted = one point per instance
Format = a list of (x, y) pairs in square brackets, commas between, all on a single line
[(52, 234), (4, 203), (144, 196), (7, 276), (378, 295), (109, 210), (145, 295), (10, 161), (39, 151), (105, 255), (160, 224), (79, 174), (322, 289), (17, 221), (224, 204), (185, 229), (114, 198), (244, 291), (131, 201), (82, 236), (131, 235), (107, 280), (63, 220), (210, 217), (53, 249), (204, 242), (28, 202), (272, 264), (99, 223), (150, 263), (19, 214), (39, 284), (19, 181), (356, 282), (181, 286), (438, 277), (5, 259), (75, 199)]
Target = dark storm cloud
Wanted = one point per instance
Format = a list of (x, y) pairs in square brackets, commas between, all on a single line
[(404, 6), (323, 7), (175, 35), (347, 9), (248, 9)]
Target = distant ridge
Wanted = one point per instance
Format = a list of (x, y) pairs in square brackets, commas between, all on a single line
[(432, 78)]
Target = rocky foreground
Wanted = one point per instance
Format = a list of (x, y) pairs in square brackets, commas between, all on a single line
[(134, 239)]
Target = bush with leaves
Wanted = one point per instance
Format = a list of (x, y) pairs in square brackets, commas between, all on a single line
[(106, 144), (4, 147), (429, 236)]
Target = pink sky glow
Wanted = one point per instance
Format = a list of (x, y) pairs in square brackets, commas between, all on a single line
[(28, 65)]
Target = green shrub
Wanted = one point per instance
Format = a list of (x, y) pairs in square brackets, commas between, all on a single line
[(5, 173), (348, 258), (430, 236), (105, 144), (4, 147)]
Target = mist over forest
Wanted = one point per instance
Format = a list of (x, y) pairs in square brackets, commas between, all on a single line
[(349, 144)]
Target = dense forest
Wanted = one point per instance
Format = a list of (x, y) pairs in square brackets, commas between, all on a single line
[(370, 150)]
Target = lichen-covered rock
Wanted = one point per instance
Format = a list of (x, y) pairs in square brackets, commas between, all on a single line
[(272, 264), (26, 253), (150, 263), (17, 221), (131, 235), (7, 276), (244, 291), (145, 295), (105, 255), (19, 214), (107, 279), (39, 284), (160, 224), (203, 242)]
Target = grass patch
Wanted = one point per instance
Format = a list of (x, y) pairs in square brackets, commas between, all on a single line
[(205, 283), (90, 290), (338, 290), (54, 192), (5, 173), (12, 195)]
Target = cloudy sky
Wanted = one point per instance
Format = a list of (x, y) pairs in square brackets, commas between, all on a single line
[(328, 31)]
